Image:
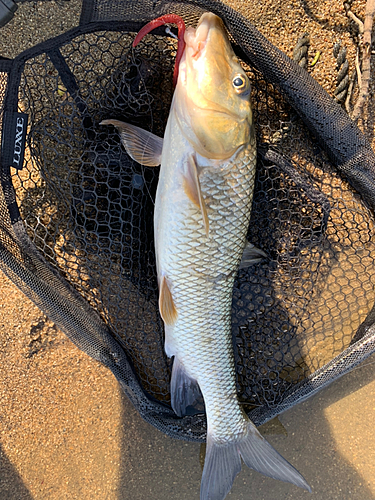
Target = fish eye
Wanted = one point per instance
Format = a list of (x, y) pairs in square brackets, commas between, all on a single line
[(239, 82)]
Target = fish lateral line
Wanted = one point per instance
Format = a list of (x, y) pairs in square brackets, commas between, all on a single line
[(161, 21)]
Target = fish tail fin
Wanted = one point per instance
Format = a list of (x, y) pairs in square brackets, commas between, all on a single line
[(223, 463), (221, 466), (259, 455)]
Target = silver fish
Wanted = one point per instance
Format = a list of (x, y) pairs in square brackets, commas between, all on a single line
[(202, 213)]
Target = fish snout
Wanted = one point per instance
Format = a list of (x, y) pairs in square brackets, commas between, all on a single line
[(210, 20)]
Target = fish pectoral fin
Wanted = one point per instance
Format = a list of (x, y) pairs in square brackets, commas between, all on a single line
[(223, 463), (167, 308), (141, 145), (251, 255), (184, 389), (192, 188)]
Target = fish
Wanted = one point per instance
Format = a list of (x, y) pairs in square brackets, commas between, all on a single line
[(202, 214)]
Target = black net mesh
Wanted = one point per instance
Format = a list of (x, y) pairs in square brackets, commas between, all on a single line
[(77, 220)]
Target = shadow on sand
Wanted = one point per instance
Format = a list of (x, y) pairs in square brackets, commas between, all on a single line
[(155, 466), (11, 485)]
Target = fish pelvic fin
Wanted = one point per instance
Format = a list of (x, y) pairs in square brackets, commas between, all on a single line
[(223, 463)]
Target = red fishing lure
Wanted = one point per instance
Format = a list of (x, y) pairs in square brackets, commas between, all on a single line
[(160, 21)]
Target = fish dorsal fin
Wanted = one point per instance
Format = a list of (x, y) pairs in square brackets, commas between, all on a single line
[(141, 145), (184, 389), (167, 308), (193, 191), (251, 255)]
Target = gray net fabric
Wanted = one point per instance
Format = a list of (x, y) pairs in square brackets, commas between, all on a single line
[(76, 231)]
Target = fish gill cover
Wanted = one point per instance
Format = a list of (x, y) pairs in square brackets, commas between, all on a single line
[(77, 218)]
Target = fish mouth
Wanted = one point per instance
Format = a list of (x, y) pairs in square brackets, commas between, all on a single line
[(218, 110), (196, 39)]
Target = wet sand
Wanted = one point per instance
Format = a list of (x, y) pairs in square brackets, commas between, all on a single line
[(66, 430)]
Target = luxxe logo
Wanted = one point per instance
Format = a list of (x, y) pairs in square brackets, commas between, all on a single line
[(13, 139), (18, 141)]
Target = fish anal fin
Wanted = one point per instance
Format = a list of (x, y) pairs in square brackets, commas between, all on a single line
[(167, 308), (223, 463), (251, 255), (192, 189), (141, 145), (184, 389)]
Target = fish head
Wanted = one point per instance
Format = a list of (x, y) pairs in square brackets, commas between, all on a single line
[(212, 96)]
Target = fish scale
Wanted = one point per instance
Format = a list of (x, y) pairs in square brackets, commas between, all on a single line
[(202, 337)]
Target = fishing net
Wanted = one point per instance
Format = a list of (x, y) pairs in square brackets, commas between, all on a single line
[(76, 212)]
